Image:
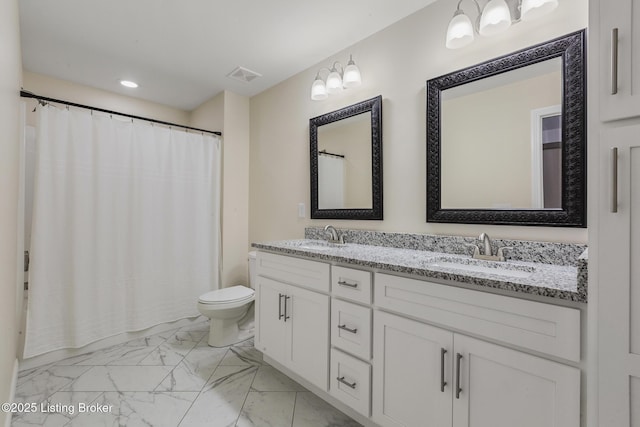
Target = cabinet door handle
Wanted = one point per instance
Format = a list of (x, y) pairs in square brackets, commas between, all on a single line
[(286, 298), (614, 61), (345, 328), (614, 179), (458, 389), (347, 284), (442, 381), (280, 315), (348, 384)]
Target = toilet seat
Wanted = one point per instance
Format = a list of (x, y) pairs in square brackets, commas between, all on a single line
[(232, 295)]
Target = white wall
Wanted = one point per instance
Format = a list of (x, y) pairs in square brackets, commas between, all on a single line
[(51, 87), (10, 64), (232, 112), (395, 63)]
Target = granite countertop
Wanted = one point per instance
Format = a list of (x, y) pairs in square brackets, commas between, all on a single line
[(555, 281)]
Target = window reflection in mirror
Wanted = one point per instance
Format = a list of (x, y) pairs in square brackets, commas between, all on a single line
[(501, 140), (344, 163)]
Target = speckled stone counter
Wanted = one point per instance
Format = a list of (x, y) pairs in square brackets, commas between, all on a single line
[(549, 280)]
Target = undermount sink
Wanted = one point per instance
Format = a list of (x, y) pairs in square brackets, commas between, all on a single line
[(469, 265), (318, 245)]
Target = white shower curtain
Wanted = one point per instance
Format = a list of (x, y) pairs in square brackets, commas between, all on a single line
[(125, 227)]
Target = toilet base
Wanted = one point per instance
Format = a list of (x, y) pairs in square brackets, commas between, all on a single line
[(226, 332)]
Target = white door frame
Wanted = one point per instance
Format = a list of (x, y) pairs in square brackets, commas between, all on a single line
[(537, 187)]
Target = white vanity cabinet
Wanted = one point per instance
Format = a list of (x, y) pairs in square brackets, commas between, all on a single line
[(427, 375), (501, 387), (292, 323), (351, 337), (618, 41), (412, 376), (400, 351)]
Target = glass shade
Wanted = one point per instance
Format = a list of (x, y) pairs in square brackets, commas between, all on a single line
[(352, 76), (533, 9), (460, 31), (495, 18), (334, 82), (318, 90)]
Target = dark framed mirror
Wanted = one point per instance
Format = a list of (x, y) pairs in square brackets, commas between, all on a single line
[(346, 162), (506, 139)]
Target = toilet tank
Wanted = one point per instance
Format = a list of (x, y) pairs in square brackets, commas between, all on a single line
[(252, 269)]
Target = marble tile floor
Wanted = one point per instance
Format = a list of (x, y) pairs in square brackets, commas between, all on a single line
[(169, 379)]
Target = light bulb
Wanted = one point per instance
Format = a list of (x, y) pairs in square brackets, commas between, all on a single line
[(495, 18), (318, 89), (460, 31), (352, 76), (334, 81)]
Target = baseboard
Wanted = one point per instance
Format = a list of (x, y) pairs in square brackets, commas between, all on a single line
[(54, 356)]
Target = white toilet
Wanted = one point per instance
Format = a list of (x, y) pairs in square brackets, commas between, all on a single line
[(230, 310)]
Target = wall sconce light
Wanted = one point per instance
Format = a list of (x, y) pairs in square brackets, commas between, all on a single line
[(337, 80), (496, 17)]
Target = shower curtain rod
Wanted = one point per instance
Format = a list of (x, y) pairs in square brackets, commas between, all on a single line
[(331, 154), (25, 94)]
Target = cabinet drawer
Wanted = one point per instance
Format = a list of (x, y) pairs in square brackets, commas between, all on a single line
[(351, 284), (351, 328), (351, 381), (546, 328), (301, 272)]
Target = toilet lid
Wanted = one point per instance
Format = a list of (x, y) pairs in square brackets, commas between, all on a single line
[(227, 295)]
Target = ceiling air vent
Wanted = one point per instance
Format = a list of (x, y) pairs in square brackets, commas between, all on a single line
[(244, 75)]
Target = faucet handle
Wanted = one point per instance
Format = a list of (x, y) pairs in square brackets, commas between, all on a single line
[(476, 249), (501, 250)]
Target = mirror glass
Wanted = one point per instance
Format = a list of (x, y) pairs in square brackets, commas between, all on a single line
[(346, 162), (506, 139), (501, 140)]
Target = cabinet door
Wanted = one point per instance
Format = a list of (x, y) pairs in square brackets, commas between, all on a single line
[(308, 335), (618, 255), (407, 373), (621, 100), (501, 387), (270, 336)]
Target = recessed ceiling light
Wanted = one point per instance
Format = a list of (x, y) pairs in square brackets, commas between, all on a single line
[(128, 83)]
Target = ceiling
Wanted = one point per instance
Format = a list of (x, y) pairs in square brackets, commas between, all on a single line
[(181, 51)]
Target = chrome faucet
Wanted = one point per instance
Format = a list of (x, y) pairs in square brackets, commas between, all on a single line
[(333, 236)]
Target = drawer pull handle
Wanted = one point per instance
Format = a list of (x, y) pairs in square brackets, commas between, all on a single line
[(614, 61), (348, 384), (280, 315), (442, 381), (286, 298), (458, 389), (345, 328), (347, 284), (614, 180)]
